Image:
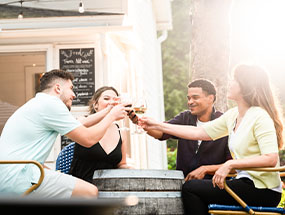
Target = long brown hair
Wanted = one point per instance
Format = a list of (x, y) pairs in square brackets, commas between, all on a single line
[(257, 91), (94, 100)]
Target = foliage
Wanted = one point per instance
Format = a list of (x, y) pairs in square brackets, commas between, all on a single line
[(171, 157), (282, 202), (175, 57), (282, 157)]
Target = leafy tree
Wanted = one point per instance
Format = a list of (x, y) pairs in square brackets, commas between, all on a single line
[(175, 57), (176, 64), (171, 157)]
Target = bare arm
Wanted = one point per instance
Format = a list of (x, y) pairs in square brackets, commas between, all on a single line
[(201, 171), (154, 133), (182, 131), (123, 163), (266, 160), (95, 118), (89, 136)]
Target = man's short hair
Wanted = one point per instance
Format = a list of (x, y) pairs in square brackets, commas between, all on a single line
[(206, 85), (47, 79)]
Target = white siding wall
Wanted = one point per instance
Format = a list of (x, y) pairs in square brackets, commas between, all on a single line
[(128, 56)]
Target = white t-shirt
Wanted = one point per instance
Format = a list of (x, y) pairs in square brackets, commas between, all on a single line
[(243, 173), (29, 134), (199, 124)]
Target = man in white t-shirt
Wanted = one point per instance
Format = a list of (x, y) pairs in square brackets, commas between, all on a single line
[(31, 131)]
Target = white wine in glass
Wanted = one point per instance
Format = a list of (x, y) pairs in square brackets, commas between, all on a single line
[(140, 108)]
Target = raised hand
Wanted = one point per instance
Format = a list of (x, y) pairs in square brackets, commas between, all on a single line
[(148, 123), (118, 111)]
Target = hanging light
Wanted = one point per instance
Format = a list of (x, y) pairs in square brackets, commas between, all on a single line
[(81, 7), (21, 16)]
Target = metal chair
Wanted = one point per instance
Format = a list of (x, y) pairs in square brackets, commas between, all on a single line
[(244, 208), (34, 186), (64, 159)]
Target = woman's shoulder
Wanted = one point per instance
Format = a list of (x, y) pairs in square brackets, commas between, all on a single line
[(258, 112), (253, 111), (116, 128)]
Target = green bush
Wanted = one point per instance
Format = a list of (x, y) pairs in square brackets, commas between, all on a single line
[(282, 202), (171, 157)]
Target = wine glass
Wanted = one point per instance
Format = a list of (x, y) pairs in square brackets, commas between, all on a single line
[(140, 108), (125, 98)]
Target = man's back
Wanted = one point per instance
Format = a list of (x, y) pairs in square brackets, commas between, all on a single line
[(29, 134)]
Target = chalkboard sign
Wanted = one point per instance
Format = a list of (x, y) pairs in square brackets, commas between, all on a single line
[(81, 63), (65, 141)]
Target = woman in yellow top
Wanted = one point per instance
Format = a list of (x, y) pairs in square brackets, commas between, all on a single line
[(255, 134)]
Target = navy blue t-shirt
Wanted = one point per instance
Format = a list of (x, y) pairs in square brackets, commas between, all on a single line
[(209, 152)]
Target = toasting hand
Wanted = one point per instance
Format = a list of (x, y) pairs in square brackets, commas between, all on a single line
[(118, 111), (148, 123)]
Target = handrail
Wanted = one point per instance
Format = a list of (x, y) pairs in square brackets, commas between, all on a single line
[(34, 186), (264, 169)]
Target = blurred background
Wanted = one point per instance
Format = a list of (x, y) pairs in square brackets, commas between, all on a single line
[(209, 38), (150, 47)]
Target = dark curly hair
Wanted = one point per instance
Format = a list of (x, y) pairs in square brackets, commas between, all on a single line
[(48, 77), (206, 85)]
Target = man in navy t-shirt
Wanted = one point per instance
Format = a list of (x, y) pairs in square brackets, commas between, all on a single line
[(198, 159)]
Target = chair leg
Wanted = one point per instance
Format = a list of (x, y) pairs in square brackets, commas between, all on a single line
[(238, 199)]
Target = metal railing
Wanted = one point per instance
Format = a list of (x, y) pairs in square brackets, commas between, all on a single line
[(34, 186)]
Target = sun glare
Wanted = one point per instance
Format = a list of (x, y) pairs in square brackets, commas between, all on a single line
[(258, 31)]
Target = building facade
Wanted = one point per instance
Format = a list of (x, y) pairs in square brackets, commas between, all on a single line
[(115, 43)]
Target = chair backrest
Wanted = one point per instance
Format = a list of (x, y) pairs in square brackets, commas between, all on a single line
[(64, 159)]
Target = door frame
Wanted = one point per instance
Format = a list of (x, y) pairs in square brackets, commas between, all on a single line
[(47, 48)]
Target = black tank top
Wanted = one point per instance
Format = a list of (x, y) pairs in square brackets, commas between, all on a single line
[(87, 160)]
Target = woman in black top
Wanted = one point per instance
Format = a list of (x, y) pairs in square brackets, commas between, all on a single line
[(110, 151)]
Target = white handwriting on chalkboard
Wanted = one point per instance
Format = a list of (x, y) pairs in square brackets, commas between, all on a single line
[(86, 61), (80, 61), (82, 94), (79, 52), (82, 79), (83, 53), (64, 53), (66, 61)]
